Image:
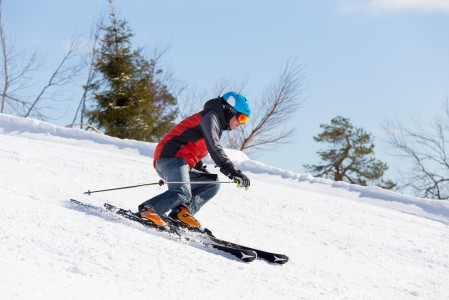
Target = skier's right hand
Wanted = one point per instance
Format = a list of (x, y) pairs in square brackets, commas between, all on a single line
[(200, 166)]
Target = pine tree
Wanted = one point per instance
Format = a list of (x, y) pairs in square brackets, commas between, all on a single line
[(130, 102), (350, 157)]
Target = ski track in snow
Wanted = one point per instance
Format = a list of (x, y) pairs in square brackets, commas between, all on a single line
[(344, 241)]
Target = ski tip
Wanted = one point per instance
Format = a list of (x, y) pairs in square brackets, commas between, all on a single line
[(280, 259), (79, 202)]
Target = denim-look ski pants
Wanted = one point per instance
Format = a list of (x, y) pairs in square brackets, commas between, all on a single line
[(193, 196)]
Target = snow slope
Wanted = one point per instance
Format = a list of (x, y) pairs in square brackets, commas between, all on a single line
[(344, 241)]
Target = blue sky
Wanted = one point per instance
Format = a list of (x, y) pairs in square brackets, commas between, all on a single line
[(370, 61)]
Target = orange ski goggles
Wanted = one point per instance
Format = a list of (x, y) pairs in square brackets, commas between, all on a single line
[(242, 118)]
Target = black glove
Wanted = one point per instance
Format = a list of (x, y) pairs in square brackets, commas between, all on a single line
[(241, 179), (200, 166), (201, 170)]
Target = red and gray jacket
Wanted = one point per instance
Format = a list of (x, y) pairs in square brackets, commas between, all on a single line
[(196, 136)]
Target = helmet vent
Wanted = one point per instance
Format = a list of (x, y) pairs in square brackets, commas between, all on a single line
[(231, 101)]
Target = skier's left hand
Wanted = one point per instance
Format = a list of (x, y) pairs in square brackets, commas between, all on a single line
[(241, 179)]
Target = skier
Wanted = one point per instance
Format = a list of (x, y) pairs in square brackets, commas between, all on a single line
[(178, 158)]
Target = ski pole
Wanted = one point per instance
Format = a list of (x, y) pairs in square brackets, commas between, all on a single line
[(160, 182)]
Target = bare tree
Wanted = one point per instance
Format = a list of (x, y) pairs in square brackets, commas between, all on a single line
[(264, 130), (66, 71), (224, 84), (17, 78), (4, 57), (91, 72), (426, 148), (280, 101), (190, 100), (15, 74)]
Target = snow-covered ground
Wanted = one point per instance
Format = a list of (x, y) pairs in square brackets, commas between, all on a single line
[(344, 241)]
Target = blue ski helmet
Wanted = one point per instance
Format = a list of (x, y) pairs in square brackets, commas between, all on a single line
[(238, 102)]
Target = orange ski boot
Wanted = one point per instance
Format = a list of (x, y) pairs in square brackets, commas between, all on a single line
[(183, 215), (149, 214)]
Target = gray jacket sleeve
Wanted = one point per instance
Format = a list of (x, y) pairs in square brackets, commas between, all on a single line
[(210, 127)]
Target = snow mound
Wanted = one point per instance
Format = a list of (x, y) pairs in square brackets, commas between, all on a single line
[(344, 241)]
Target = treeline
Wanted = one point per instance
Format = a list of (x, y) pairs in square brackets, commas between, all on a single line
[(126, 95)]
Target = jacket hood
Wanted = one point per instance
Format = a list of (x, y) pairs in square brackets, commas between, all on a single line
[(216, 105)]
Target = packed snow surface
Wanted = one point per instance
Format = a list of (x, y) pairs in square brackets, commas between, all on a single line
[(344, 241)]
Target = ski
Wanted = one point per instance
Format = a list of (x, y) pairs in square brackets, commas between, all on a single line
[(242, 254), (265, 255), (89, 206), (207, 234), (127, 214), (245, 255)]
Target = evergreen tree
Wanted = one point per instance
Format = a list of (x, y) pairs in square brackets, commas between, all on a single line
[(130, 102), (350, 157)]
